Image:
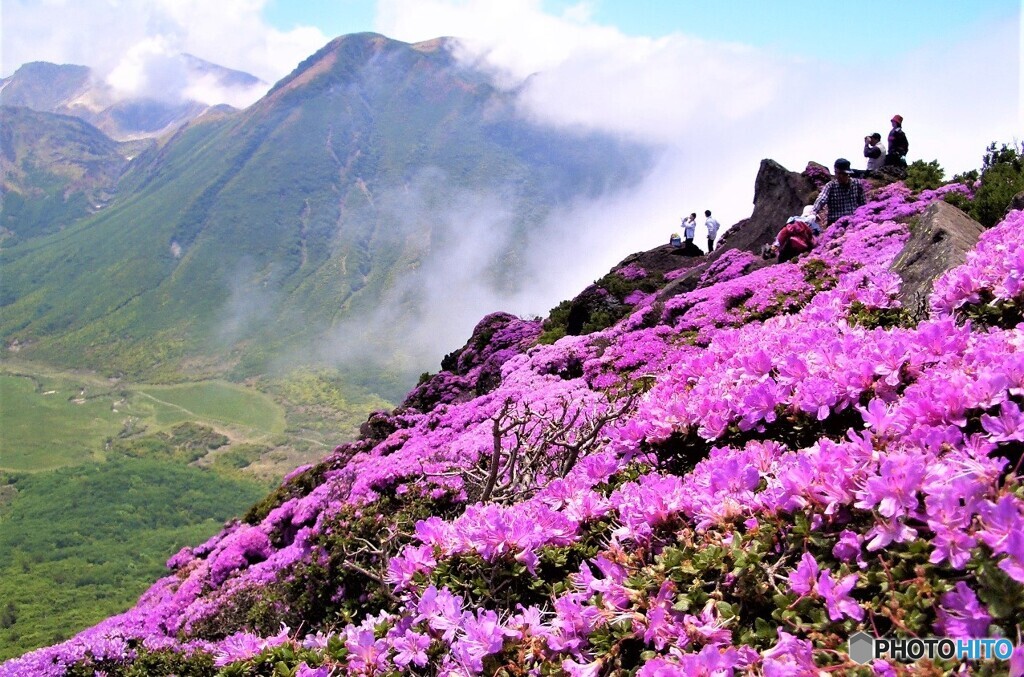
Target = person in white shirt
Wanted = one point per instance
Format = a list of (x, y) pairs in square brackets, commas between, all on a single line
[(811, 219), (712, 226), (874, 151), (689, 228)]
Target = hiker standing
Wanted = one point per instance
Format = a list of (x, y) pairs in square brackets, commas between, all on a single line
[(842, 195), (689, 228), (898, 144), (874, 151), (712, 225)]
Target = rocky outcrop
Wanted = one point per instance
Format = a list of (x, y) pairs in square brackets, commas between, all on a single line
[(938, 241), (475, 369), (778, 195), (1017, 202)]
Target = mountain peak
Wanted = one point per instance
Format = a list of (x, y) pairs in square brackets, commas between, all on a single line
[(44, 86), (228, 77), (345, 52), (149, 110)]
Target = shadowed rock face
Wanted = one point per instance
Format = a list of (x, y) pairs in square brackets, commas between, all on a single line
[(1017, 202), (778, 195), (939, 241), (474, 369)]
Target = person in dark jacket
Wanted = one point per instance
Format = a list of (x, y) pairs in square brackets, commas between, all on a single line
[(898, 144)]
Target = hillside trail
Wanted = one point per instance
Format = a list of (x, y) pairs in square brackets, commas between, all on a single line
[(229, 427)]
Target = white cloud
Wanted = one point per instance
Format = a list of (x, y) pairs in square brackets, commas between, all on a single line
[(133, 44), (456, 237), (150, 68), (717, 109)]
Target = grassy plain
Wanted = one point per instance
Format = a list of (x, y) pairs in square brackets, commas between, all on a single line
[(216, 402), (47, 425), (102, 480), (50, 419)]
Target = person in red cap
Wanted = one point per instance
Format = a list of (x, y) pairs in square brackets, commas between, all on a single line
[(898, 146)]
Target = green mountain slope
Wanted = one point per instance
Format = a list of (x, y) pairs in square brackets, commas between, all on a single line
[(249, 235), (54, 169)]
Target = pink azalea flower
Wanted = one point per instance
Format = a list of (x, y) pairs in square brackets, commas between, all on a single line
[(802, 578), (837, 596), (961, 615)]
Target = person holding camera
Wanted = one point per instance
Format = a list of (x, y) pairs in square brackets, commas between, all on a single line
[(689, 226), (874, 151)]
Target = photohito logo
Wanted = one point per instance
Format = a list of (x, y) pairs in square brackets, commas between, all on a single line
[(864, 648)]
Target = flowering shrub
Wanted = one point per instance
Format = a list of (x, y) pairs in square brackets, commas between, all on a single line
[(989, 287), (729, 265), (631, 272), (733, 481), (818, 174)]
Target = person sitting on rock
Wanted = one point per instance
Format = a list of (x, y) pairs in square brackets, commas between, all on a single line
[(811, 219), (794, 239), (842, 195)]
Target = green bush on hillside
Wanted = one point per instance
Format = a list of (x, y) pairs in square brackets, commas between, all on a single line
[(923, 175), (80, 544), (185, 442), (1001, 178)]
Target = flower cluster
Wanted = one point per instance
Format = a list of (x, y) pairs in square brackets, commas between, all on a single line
[(739, 453), (992, 272), (632, 272)]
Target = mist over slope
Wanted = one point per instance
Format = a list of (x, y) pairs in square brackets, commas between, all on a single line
[(754, 463), (377, 185)]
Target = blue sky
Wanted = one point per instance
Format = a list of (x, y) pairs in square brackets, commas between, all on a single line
[(839, 31)]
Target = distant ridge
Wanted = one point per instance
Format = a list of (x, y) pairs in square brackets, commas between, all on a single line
[(77, 91), (245, 237)]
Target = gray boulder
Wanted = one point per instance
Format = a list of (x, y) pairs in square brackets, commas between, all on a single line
[(939, 240), (778, 195), (1017, 202)]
